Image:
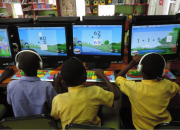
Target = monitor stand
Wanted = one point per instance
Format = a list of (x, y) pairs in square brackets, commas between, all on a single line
[(50, 66), (102, 65)]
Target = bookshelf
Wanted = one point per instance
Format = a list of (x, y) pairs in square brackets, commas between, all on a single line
[(39, 8), (125, 7)]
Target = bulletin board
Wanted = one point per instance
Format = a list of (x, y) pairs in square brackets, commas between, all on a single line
[(68, 7)]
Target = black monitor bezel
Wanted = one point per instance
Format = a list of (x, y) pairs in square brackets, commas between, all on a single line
[(167, 56), (104, 18), (57, 19), (100, 58), (13, 21), (152, 18), (49, 58), (8, 59)]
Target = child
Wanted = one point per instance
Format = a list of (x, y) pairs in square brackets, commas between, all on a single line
[(30, 96), (7, 72), (80, 104), (150, 97), (3, 94)]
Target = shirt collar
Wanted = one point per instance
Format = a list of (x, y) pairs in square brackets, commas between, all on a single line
[(30, 78), (75, 88)]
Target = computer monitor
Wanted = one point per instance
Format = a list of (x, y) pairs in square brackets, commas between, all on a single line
[(158, 37), (6, 51), (98, 42), (104, 18), (12, 21), (153, 18), (177, 16), (57, 19), (48, 40)]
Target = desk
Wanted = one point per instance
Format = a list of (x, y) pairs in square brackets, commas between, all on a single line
[(113, 67)]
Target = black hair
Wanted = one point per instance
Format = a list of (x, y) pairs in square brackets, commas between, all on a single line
[(28, 61), (153, 66), (72, 72), (177, 16)]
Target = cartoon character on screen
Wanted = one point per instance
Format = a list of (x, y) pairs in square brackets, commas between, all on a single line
[(95, 2), (79, 43), (106, 42), (7, 49), (26, 44)]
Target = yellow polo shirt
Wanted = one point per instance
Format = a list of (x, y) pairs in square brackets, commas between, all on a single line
[(149, 100), (80, 105)]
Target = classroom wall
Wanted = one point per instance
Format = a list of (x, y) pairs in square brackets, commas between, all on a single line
[(162, 9), (177, 6)]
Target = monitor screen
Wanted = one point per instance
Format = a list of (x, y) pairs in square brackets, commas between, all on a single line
[(46, 41), (5, 51), (162, 39), (97, 40)]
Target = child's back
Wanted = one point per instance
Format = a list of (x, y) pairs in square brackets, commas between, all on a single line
[(80, 104), (30, 96), (150, 97)]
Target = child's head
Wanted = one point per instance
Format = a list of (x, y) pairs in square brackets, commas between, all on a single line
[(153, 66), (73, 72), (28, 62)]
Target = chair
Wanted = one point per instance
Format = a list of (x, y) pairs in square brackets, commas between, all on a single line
[(168, 125), (110, 118), (2, 110), (81, 126), (29, 122)]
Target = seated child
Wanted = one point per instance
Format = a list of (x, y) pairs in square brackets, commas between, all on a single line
[(3, 94), (29, 95), (81, 104), (7, 73), (150, 97)]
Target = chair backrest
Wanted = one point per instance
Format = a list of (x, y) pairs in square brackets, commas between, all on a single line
[(2, 110), (81, 126), (29, 122), (168, 125)]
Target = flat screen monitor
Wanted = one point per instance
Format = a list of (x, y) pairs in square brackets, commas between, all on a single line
[(158, 37), (6, 52), (57, 19), (49, 41), (12, 21), (152, 18), (98, 41), (104, 18)]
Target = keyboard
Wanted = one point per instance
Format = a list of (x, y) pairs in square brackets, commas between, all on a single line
[(44, 75), (91, 76), (1, 71), (133, 74)]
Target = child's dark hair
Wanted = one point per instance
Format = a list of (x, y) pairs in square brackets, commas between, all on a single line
[(153, 66), (72, 71), (28, 61)]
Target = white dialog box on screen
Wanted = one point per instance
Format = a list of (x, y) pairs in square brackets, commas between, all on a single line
[(44, 47), (169, 39), (40, 34)]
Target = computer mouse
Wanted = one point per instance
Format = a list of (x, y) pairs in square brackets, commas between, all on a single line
[(175, 72), (117, 71)]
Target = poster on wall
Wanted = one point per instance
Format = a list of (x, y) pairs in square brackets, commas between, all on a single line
[(68, 7)]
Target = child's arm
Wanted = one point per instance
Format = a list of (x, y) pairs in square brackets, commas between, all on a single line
[(134, 62), (57, 82), (8, 72), (111, 87)]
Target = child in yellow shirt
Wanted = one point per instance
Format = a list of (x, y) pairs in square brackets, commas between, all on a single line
[(150, 97), (80, 104)]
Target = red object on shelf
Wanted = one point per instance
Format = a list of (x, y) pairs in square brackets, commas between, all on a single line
[(160, 2)]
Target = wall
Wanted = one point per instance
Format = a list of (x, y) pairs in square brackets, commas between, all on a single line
[(177, 6), (162, 9)]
